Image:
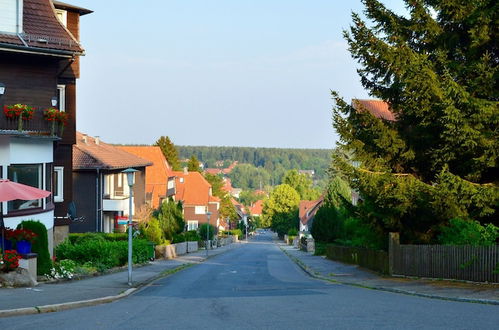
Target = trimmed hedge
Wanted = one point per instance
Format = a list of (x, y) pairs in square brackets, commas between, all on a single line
[(39, 246), (102, 253), (80, 237)]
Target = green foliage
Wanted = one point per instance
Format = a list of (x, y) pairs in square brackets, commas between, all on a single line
[(276, 161), (280, 210), (468, 232), (227, 210), (247, 176), (102, 254), (192, 235), (292, 232), (206, 231), (152, 231), (169, 151), (338, 191), (249, 197), (437, 68), (76, 238), (193, 164), (217, 184), (302, 184), (40, 245), (236, 232), (171, 218)]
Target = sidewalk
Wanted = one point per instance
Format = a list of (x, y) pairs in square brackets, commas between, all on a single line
[(93, 290), (322, 268)]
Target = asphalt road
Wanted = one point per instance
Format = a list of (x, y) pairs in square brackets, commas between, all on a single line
[(258, 287)]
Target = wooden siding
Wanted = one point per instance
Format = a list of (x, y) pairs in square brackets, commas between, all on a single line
[(63, 157), (85, 200)]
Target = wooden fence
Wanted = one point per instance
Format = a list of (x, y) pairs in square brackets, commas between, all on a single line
[(367, 258), (470, 263)]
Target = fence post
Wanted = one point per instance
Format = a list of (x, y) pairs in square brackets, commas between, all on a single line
[(393, 248)]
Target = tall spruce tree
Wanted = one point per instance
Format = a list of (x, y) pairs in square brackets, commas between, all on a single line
[(437, 68), (169, 151)]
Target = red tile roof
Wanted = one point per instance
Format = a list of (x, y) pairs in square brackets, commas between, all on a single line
[(95, 154), (192, 188), (308, 209), (377, 108), (42, 31), (257, 208), (156, 175)]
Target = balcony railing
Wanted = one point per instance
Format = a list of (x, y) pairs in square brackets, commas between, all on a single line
[(37, 125)]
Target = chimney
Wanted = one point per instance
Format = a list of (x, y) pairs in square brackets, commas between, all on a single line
[(185, 171), (85, 139), (97, 140)]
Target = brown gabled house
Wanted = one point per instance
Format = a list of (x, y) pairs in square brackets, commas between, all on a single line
[(195, 193), (39, 66), (101, 191), (160, 180)]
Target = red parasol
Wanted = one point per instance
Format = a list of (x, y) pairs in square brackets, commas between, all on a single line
[(10, 190)]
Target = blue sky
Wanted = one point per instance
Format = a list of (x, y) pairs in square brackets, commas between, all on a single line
[(221, 72)]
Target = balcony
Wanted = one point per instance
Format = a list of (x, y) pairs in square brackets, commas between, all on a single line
[(116, 204), (36, 126)]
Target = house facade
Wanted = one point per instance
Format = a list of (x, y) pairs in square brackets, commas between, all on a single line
[(160, 181), (39, 67), (195, 193), (102, 194), (306, 213)]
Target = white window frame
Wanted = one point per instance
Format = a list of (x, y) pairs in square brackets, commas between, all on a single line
[(192, 225), (59, 173), (61, 105), (62, 16), (199, 209)]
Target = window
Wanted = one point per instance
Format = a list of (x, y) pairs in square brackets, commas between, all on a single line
[(62, 15), (200, 210), (58, 189), (192, 225), (61, 97), (28, 174), (11, 16)]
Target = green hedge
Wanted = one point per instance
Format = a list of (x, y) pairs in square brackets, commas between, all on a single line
[(102, 253), (80, 237), (39, 246)]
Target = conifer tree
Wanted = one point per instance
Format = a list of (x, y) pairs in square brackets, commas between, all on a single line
[(193, 164), (437, 68), (169, 151)]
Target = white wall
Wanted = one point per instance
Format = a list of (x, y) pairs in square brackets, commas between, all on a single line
[(29, 151)]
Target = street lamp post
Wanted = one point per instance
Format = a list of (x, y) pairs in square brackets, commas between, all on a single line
[(130, 175), (208, 215), (245, 217)]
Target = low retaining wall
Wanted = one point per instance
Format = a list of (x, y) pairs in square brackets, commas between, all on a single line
[(180, 248), (192, 246)]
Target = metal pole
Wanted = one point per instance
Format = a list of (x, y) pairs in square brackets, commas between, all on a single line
[(130, 227), (208, 214)]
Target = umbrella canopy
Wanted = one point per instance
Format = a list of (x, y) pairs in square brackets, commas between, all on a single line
[(12, 190)]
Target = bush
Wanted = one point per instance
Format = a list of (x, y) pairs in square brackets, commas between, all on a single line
[(103, 254), (292, 232), (468, 232), (179, 238), (205, 229), (152, 231), (192, 235), (40, 245), (237, 232)]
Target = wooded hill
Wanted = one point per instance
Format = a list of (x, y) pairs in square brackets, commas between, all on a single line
[(275, 160)]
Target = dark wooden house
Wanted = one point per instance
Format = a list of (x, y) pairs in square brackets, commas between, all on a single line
[(39, 67)]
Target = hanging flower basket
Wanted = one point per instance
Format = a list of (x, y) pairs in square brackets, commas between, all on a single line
[(20, 112), (56, 118)]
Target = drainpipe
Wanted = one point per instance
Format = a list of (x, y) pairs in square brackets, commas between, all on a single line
[(97, 183)]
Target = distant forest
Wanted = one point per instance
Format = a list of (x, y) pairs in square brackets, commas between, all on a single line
[(275, 161)]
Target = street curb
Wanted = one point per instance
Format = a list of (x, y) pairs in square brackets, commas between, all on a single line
[(97, 301), (381, 288)]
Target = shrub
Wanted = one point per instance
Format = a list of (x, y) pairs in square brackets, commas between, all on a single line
[(40, 245), (468, 232), (237, 232), (152, 231), (179, 238), (192, 235), (205, 229), (292, 232), (103, 254)]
